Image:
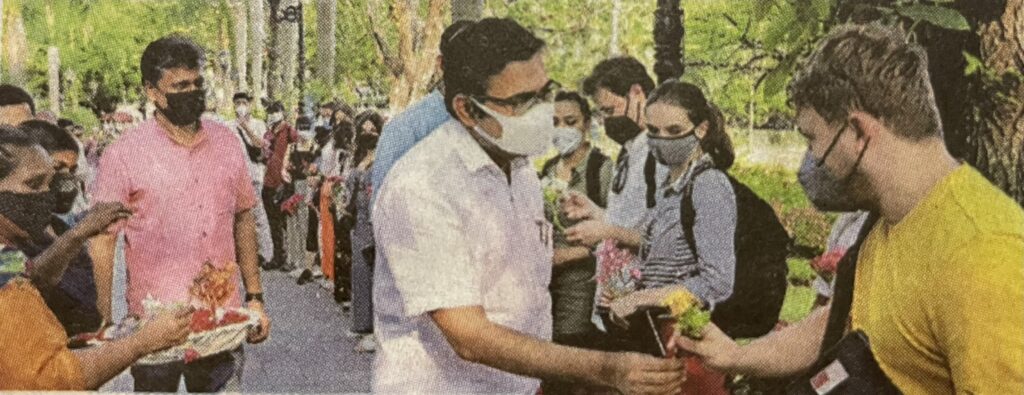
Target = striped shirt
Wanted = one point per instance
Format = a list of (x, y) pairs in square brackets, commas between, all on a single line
[(668, 259)]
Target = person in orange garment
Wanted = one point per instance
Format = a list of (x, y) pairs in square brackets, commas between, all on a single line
[(33, 345)]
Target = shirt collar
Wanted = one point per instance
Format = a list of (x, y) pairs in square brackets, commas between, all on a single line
[(677, 186), (201, 136)]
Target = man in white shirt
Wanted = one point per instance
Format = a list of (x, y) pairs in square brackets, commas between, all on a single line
[(250, 131), (464, 250)]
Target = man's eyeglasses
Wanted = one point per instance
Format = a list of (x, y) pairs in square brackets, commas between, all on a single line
[(522, 103)]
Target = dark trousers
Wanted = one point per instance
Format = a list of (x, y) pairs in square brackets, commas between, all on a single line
[(216, 373), (276, 219)]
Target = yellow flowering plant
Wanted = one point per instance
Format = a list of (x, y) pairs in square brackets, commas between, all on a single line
[(689, 313)]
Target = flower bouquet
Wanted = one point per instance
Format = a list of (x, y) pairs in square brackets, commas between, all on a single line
[(618, 270), (688, 313), (826, 264), (292, 204), (553, 189), (215, 328)]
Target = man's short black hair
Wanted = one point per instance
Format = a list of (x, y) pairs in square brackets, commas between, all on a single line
[(450, 32), (65, 123), (12, 137), (275, 106), (242, 95), (12, 95), (170, 52), (481, 51), (618, 75), (51, 137)]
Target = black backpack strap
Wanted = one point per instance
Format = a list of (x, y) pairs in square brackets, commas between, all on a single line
[(842, 296), (687, 214), (593, 176), (650, 178)]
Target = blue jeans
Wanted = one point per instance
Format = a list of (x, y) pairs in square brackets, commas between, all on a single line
[(216, 373)]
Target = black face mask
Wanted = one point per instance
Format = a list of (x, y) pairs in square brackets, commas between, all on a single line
[(368, 140), (621, 128), (64, 188), (29, 211), (185, 108)]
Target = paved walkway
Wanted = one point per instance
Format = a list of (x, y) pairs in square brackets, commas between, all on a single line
[(308, 350)]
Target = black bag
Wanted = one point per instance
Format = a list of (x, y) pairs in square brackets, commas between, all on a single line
[(846, 364), (644, 331), (593, 175), (761, 244), (255, 154)]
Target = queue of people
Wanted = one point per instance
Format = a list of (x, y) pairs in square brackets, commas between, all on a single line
[(469, 270)]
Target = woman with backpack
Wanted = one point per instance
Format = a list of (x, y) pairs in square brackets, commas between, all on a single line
[(686, 134), (580, 167)]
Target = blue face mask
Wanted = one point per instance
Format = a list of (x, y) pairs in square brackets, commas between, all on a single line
[(825, 191)]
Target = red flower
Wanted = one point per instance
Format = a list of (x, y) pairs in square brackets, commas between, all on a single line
[(827, 263), (191, 355), (291, 206)]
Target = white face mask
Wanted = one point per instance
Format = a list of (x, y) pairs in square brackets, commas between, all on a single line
[(275, 117), (567, 140), (242, 111), (526, 135)]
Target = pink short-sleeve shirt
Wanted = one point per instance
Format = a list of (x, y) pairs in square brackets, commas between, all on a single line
[(185, 201)]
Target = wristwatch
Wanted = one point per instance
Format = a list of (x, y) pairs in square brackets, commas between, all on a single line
[(249, 297)]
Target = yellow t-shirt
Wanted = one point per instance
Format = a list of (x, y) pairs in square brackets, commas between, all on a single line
[(941, 294), (33, 346)]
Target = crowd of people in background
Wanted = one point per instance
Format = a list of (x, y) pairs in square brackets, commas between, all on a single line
[(470, 258)]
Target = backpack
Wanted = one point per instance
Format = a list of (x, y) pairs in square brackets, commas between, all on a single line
[(761, 244), (593, 175)]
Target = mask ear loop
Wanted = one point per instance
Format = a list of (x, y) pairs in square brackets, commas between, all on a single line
[(859, 157)]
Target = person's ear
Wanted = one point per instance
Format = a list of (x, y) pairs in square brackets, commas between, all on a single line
[(151, 91), (866, 127), (702, 130), (464, 110)]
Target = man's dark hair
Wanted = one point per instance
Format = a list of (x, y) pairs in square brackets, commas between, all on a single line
[(170, 52), (12, 95), (328, 104), (12, 137), (303, 123), (51, 137), (481, 51), (618, 75), (242, 95), (371, 116), (579, 100), (450, 32), (64, 123), (275, 106)]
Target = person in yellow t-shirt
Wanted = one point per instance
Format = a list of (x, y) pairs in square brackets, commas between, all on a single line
[(939, 284), (33, 345)]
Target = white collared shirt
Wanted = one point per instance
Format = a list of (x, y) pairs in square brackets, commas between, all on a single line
[(452, 231), (628, 207)]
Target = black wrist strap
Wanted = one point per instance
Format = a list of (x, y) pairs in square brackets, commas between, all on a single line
[(842, 296), (249, 297)]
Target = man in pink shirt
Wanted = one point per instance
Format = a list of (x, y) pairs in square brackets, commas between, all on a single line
[(191, 194)]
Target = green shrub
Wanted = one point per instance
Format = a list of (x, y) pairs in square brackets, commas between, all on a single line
[(798, 304), (800, 271)]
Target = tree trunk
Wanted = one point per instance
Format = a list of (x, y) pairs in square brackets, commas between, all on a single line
[(613, 44), (286, 52), (53, 79), (995, 137), (668, 40), (468, 10), (411, 63), (326, 23), (16, 49), (240, 12), (3, 15), (257, 46)]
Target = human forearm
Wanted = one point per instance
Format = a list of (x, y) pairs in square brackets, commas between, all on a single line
[(566, 255), (246, 251), (486, 343), (789, 351), (627, 237), (101, 250), (49, 266), (103, 363)]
